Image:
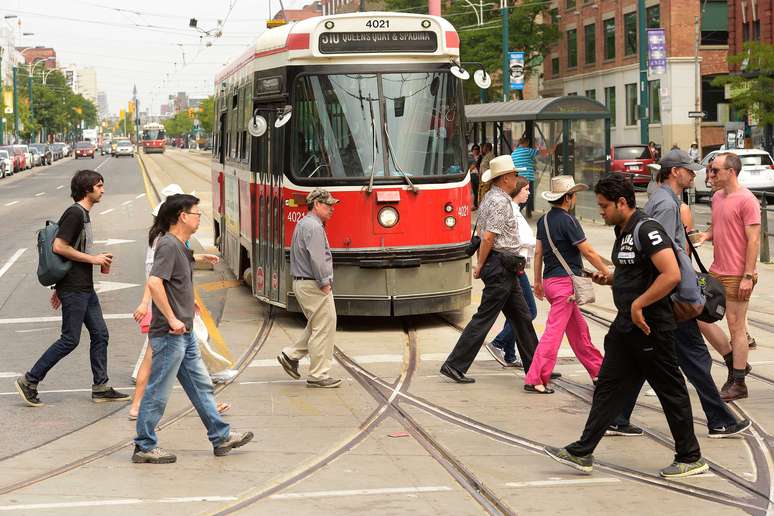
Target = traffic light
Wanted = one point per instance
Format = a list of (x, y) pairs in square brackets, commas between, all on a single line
[(131, 106), (191, 113)]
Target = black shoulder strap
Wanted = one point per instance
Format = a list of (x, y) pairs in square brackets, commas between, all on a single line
[(81, 240), (694, 254)]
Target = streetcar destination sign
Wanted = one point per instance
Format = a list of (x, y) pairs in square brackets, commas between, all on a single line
[(377, 42)]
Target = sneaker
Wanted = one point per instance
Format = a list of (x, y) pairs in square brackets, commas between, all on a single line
[(736, 391), (728, 431), (155, 456), (323, 383), (751, 342), (109, 394), (289, 365), (584, 464), (624, 430), (515, 363), (497, 353), (28, 393), (684, 469), (234, 440)]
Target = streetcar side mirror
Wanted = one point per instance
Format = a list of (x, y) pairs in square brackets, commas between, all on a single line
[(257, 126), (482, 79), (284, 116)]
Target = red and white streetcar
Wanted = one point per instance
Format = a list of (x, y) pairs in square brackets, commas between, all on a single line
[(370, 107), (153, 138)]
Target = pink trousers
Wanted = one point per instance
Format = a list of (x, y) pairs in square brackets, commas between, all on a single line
[(563, 317)]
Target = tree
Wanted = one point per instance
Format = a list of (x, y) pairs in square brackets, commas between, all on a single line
[(179, 125), (207, 114), (753, 86), (483, 43)]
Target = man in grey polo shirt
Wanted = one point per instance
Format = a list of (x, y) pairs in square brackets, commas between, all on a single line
[(311, 266)]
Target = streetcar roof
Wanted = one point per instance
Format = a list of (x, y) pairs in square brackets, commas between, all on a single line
[(299, 42)]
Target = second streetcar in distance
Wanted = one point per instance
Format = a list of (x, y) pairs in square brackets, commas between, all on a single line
[(153, 138)]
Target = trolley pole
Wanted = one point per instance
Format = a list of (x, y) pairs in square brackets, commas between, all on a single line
[(506, 64), (644, 93)]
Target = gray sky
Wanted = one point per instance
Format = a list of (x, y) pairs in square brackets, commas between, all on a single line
[(127, 48)]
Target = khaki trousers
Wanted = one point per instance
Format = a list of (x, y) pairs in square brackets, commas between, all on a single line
[(318, 337)]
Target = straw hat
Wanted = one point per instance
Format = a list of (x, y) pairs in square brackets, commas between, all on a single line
[(562, 185), (498, 166)]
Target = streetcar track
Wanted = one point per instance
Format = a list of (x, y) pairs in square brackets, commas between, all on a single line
[(255, 347)]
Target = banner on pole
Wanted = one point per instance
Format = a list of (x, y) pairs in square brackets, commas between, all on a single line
[(657, 54), (516, 67)]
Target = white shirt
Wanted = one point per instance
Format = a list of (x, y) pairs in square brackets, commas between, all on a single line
[(526, 236)]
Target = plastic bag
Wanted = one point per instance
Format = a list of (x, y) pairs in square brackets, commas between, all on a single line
[(214, 361)]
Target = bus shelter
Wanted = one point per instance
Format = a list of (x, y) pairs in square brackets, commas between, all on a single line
[(571, 133)]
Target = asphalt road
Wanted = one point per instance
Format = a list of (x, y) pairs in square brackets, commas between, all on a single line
[(27, 200)]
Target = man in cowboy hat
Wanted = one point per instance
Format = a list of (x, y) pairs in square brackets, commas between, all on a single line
[(498, 265)]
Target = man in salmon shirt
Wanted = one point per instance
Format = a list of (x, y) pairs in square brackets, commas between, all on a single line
[(735, 233)]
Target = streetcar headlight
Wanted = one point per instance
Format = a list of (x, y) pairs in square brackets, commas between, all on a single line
[(450, 221), (448, 207), (388, 216)]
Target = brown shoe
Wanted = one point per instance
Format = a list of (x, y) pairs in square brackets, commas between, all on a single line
[(736, 391)]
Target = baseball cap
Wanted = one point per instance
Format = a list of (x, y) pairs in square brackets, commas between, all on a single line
[(679, 158), (321, 195)]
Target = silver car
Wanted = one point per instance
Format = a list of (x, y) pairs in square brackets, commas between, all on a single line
[(757, 171), (124, 148), (7, 162)]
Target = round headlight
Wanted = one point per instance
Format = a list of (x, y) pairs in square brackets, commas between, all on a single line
[(448, 207), (388, 216), (450, 221)]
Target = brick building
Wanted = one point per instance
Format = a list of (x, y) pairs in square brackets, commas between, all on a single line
[(598, 56), (35, 54)]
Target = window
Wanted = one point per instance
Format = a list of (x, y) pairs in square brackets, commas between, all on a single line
[(590, 42), (655, 101), (554, 67), (570, 4), (572, 93), (711, 96), (630, 34), (756, 30), (631, 104), (653, 17), (572, 48), (610, 103), (714, 23), (745, 32), (592, 94), (609, 38), (554, 16)]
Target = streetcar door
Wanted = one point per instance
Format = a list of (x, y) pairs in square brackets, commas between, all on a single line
[(276, 153), (261, 242)]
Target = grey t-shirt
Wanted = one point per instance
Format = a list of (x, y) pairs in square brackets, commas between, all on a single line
[(172, 263)]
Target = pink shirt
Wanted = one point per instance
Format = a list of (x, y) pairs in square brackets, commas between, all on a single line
[(731, 214)]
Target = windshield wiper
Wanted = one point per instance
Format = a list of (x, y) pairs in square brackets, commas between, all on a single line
[(391, 153)]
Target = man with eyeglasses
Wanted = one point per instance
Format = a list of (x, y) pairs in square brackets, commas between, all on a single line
[(735, 234), (175, 350)]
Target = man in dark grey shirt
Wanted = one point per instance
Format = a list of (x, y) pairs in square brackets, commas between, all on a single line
[(311, 266), (175, 351)]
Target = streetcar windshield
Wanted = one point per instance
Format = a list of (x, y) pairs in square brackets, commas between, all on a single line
[(340, 130), (153, 134)]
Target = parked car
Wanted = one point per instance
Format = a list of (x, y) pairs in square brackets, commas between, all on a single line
[(19, 158), (123, 148), (46, 155), (37, 157), (65, 148), (27, 156), (7, 161), (757, 171), (106, 148), (632, 160), (84, 150), (57, 149)]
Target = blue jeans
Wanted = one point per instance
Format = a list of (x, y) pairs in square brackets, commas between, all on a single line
[(178, 356), (78, 309), (506, 340)]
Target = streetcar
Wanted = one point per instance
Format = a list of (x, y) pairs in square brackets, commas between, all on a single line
[(370, 107), (153, 138)]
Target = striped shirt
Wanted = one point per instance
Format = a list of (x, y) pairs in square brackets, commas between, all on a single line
[(524, 158)]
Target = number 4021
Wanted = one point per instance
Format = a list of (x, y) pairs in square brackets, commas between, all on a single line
[(378, 24)]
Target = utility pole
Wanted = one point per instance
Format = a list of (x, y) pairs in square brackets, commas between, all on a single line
[(644, 90), (506, 64), (15, 108), (2, 101), (29, 95), (362, 6), (697, 87)]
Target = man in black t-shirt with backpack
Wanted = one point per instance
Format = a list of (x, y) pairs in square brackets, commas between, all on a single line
[(640, 344), (75, 293)]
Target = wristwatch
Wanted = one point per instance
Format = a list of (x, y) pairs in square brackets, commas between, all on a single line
[(747, 275)]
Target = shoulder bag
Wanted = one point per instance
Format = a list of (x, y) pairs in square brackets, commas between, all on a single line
[(582, 286)]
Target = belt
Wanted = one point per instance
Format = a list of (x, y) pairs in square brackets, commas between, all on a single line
[(301, 278)]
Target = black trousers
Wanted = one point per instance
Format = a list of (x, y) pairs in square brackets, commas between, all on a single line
[(502, 292), (630, 358), (695, 361)]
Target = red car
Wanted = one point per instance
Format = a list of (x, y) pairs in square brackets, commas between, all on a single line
[(84, 150), (632, 160)]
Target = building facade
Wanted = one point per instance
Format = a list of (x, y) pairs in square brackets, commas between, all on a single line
[(34, 54), (598, 56)]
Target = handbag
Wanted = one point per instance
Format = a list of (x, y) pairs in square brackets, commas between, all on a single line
[(475, 242), (582, 286), (714, 293)]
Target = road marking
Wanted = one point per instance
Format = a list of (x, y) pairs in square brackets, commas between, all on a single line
[(9, 374), (60, 187), (39, 194), (100, 287), (564, 482), (120, 501), (126, 203), (113, 241), (11, 203), (360, 492), (140, 196), (56, 318), (100, 165), (105, 213), (377, 359), (175, 387), (11, 261), (37, 329)]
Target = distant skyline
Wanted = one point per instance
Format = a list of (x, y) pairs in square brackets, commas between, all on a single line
[(147, 43)]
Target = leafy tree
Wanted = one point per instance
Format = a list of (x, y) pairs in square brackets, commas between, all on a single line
[(178, 125), (754, 85), (207, 114)]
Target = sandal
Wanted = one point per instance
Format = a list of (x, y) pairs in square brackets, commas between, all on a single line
[(534, 390), (223, 407)]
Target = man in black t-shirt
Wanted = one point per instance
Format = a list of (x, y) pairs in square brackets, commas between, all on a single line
[(75, 293), (640, 344)]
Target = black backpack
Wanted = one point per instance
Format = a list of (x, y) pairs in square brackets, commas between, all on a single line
[(52, 267), (714, 293)]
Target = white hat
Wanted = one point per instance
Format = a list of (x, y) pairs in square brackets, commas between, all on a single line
[(498, 166), (561, 185), (170, 189)]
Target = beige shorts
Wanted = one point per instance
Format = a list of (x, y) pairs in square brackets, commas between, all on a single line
[(731, 284)]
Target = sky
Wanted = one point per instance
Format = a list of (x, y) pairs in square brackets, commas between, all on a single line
[(143, 42)]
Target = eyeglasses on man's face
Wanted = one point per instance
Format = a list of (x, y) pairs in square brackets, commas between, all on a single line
[(198, 214)]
